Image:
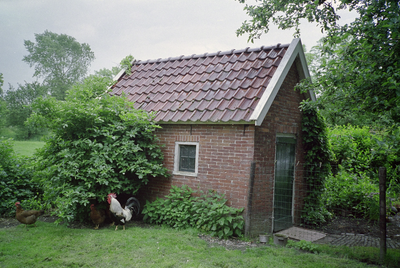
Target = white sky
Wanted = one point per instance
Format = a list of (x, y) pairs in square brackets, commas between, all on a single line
[(146, 29)]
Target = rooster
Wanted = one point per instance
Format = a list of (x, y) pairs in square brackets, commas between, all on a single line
[(121, 215), (27, 216), (97, 215)]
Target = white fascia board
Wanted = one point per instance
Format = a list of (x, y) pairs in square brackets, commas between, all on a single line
[(119, 75), (116, 78), (295, 49)]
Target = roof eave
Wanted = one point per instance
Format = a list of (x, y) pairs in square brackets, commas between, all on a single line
[(295, 50), (242, 122)]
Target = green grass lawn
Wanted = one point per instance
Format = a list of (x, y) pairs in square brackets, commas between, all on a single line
[(48, 245), (27, 148)]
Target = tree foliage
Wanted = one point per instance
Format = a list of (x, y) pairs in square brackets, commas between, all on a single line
[(354, 183), (361, 150), (18, 103), (3, 104), (288, 14), (59, 59), (361, 71), (1, 84), (100, 144)]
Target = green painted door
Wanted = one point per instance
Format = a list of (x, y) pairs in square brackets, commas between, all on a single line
[(284, 175)]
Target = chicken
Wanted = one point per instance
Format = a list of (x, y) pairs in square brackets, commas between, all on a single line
[(97, 215), (121, 215), (27, 216)]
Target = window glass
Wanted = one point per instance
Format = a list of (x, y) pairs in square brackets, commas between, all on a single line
[(187, 158)]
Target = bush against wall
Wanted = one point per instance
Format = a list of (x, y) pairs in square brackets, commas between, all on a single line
[(317, 160), (16, 183), (183, 209), (99, 144)]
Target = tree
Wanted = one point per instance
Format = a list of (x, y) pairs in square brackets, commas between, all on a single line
[(3, 104), (18, 102), (59, 59), (99, 144), (1, 84), (362, 56), (336, 105)]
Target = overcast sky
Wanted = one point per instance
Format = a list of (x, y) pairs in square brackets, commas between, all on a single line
[(146, 29)]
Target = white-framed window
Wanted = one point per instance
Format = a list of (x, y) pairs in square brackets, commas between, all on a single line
[(186, 158)]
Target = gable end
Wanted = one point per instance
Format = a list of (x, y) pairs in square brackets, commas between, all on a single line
[(295, 54)]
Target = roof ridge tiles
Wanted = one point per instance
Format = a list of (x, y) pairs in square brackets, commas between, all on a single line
[(212, 54)]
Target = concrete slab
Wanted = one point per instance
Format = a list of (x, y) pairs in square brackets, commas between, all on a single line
[(297, 233)]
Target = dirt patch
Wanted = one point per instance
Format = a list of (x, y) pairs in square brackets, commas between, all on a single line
[(11, 222)]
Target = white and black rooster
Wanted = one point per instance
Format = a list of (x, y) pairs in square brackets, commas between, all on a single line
[(121, 215)]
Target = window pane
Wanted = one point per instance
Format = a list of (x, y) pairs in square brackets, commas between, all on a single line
[(187, 158)]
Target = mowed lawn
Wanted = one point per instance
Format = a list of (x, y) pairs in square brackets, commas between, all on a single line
[(48, 245), (27, 148)]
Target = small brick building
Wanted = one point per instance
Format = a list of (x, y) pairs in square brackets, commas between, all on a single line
[(231, 123)]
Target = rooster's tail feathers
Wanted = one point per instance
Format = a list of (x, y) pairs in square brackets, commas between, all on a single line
[(133, 205)]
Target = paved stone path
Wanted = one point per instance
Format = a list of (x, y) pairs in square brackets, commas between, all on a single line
[(344, 239), (351, 240)]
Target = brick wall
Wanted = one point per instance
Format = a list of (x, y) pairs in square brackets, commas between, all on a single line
[(225, 154)]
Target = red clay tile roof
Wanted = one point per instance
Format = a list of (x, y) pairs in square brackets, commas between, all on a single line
[(208, 88)]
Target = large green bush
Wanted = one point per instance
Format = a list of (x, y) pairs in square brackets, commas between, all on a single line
[(353, 193), (16, 180), (183, 209), (99, 144), (362, 150), (358, 154), (352, 147)]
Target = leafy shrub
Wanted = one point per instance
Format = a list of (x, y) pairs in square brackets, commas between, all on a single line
[(182, 209), (99, 144), (352, 147), (362, 150), (16, 180), (387, 154), (352, 192)]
